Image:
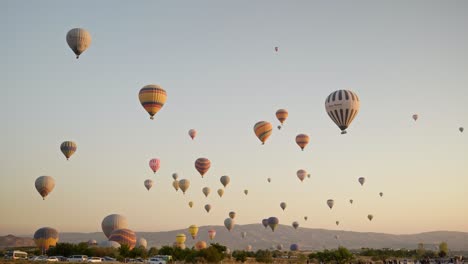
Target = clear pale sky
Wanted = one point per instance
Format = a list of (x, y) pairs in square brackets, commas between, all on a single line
[(216, 61)]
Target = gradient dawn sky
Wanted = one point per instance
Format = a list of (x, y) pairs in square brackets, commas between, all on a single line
[(217, 62)]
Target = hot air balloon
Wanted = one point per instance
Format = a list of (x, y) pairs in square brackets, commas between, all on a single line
[(337, 222), (248, 248), (220, 192), (206, 191), (124, 237), (276, 49), (190, 204), (336, 237), (193, 231), (381, 194), (202, 165), (281, 115), (211, 233), (246, 192), (294, 247), (461, 129), (273, 223), (295, 224), (175, 176), (148, 184), (192, 133), (305, 218), (109, 244), (68, 148), (155, 164), (78, 39), (184, 184), (200, 245), (351, 201), (302, 140), (269, 179), (141, 242), (330, 203), (181, 246), (301, 174), (113, 222), (152, 98), (370, 217), (225, 180), (361, 180), (243, 234), (180, 238), (229, 224), (342, 106), (308, 175), (232, 215), (207, 208), (175, 184), (46, 237), (265, 222), (92, 242), (415, 117), (283, 205), (279, 247), (263, 130), (44, 185)]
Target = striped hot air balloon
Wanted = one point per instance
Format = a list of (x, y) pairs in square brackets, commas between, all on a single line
[(46, 237), (342, 106), (155, 164), (263, 130), (68, 148), (282, 115), (202, 165), (44, 185), (152, 98), (113, 222), (302, 140), (78, 39), (124, 237)]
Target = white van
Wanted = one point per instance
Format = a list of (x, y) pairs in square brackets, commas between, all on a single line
[(78, 258)]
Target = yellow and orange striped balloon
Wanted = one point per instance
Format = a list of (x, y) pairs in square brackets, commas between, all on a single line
[(152, 98), (124, 237), (263, 130), (302, 140), (282, 115)]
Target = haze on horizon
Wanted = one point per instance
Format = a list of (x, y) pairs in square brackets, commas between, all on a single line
[(216, 60)]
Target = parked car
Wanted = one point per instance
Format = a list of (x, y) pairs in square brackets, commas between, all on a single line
[(78, 258), (40, 258), (52, 259), (94, 259), (156, 261), (107, 258)]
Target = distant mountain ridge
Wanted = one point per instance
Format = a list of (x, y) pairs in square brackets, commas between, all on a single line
[(307, 238)]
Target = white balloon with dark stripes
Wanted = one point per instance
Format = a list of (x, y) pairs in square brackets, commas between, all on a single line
[(342, 106)]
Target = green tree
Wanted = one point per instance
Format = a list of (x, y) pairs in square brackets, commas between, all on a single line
[(166, 250), (138, 252), (443, 249), (264, 256), (153, 252), (124, 251), (421, 250), (240, 256)]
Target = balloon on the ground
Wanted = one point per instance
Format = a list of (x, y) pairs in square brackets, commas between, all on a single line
[(279, 247), (92, 242), (330, 203), (200, 245), (225, 180), (113, 222), (78, 39), (68, 148), (273, 222), (263, 130), (141, 242), (301, 174), (229, 224), (155, 164), (361, 180), (44, 185), (46, 237), (342, 107), (184, 184), (202, 165), (152, 98), (192, 133), (193, 231), (109, 244), (148, 184), (248, 248), (124, 237), (302, 140), (180, 238), (206, 191)]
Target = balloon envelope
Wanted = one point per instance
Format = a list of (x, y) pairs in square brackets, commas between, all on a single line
[(461, 129), (202, 165), (415, 117), (200, 245), (109, 244), (46, 237), (184, 184), (295, 224), (193, 231), (175, 176), (283, 205), (263, 130), (246, 192), (192, 133), (206, 191), (225, 180), (294, 247), (265, 222), (180, 238), (175, 184), (44, 185), (229, 223), (273, 223), (190, 204), (301, 174), (141, 242), (302, 140), (361, 180), (330, 203), (155, 164), (113, 222), (342, 107), (78, 39), (220, 192), (152, 98), (68, 148), (124, 237), (211, 233), (232, 215), (370, 217), (282, 115), (207, 208), (148, 184)]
